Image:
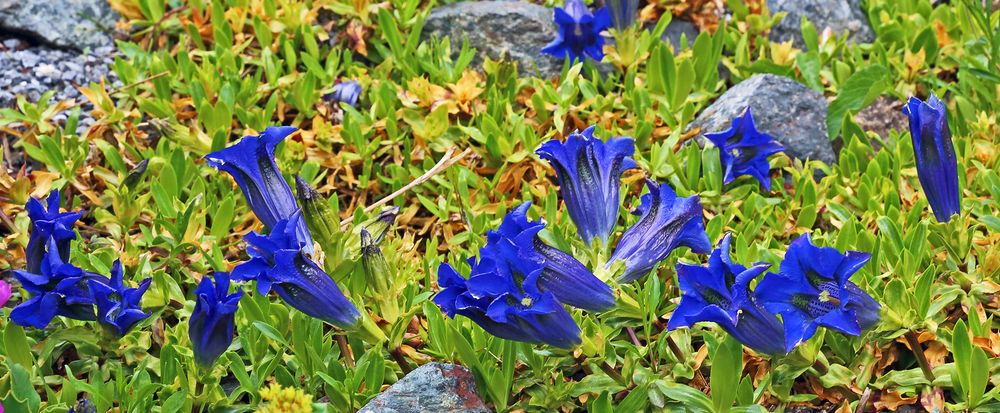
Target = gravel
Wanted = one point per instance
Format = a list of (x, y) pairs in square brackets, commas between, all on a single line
[(30, 70)]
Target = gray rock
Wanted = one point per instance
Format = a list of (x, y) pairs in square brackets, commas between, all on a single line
[(883, 115), (794, 114), (838, 15), (517, 28), (432, 388), (674, 31), (70, 24)]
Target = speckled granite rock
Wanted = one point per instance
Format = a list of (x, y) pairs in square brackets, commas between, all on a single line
[(791, 112), (838, 15), (517, 28), (69, 24), (432, 388)]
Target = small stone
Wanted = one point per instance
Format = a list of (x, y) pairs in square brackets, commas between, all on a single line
[(431, 388), (791, 112), (12, 44), (837, 15), (494, 28), (69, 24)]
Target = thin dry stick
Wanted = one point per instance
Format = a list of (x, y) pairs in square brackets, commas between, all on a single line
[(446, 161), (865, 398)]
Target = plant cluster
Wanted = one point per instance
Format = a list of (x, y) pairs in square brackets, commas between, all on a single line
[(569, 240)]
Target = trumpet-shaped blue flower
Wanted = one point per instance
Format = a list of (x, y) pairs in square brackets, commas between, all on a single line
[(213, 320), (812, 290), (118, 305), (251, 164), (570, 281), (743, 150), (579, 32), (937, 166), (720, 293), (623, 13), (495, 299), (589, 172), (347, 92), (58, 288), (666, 223), (278, 262), (48, 222)]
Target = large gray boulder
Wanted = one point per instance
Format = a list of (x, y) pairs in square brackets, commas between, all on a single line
[(432, 388), (68, 24), (517, 28), (676, 29), (794, 114), (837, 15)]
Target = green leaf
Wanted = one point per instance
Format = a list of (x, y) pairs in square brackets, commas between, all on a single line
[(694, 400), (860, 89), (16, 346), (727, 368), (961, 349)]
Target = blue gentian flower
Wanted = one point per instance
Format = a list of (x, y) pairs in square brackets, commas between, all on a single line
[(214, 319), (494, 299), (58, 288), (579, 32), (251, 164), (118, 305), (812, 290), (623, 13), (562, 275), (589, 172), (347, 92), (937, 166), (720, 293), (667, 222), (743, 150), (278, 262), (48, 222)]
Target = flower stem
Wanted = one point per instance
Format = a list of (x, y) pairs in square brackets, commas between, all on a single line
[(918, 351), (611, 372), (345, 350), (631, 335)]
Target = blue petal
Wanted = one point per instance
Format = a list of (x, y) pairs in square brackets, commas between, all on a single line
[(589, 172), (517, 241), (303, 285), (667, 223), (251, 164), (37, 312), (212, 322), (743, 150), (937, 165)]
